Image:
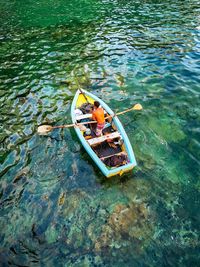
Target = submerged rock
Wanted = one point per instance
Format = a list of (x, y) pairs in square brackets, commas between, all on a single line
[(120, 79), (61, 199), (128, 222), (21, 173)]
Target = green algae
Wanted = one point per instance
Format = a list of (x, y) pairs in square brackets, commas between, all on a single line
[(168, 130)]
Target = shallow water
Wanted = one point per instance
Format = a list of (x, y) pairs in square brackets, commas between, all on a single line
[(56, 208)]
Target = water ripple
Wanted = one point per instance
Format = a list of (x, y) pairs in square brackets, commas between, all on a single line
[(54, 198)]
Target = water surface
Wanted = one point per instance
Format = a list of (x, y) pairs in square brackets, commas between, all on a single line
[(56, 208)]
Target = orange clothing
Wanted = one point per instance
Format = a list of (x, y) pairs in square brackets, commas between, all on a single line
[(98, 115)]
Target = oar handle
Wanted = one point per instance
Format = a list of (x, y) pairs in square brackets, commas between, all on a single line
[(135, 107), (122, 112), (63, 126), (73, 125), (118, 113)]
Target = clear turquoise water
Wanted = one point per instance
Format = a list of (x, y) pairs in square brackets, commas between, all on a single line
[(56, 208)]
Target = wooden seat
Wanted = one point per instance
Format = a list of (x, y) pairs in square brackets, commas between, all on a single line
[(85, 116), (97, 140), (116, 154)]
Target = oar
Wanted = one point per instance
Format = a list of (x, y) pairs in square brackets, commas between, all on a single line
[(47, 128), (135, 107)]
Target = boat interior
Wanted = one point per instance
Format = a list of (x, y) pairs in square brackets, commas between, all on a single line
[(109, 147)]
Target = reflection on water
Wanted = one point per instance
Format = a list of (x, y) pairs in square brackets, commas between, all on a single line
[(56, 207)]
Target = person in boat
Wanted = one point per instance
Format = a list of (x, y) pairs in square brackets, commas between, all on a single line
[(98, 115)]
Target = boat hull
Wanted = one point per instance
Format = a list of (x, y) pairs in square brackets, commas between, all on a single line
[(79, 99)]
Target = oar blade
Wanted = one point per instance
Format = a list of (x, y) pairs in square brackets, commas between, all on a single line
[(137, 107), (43, 129)]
